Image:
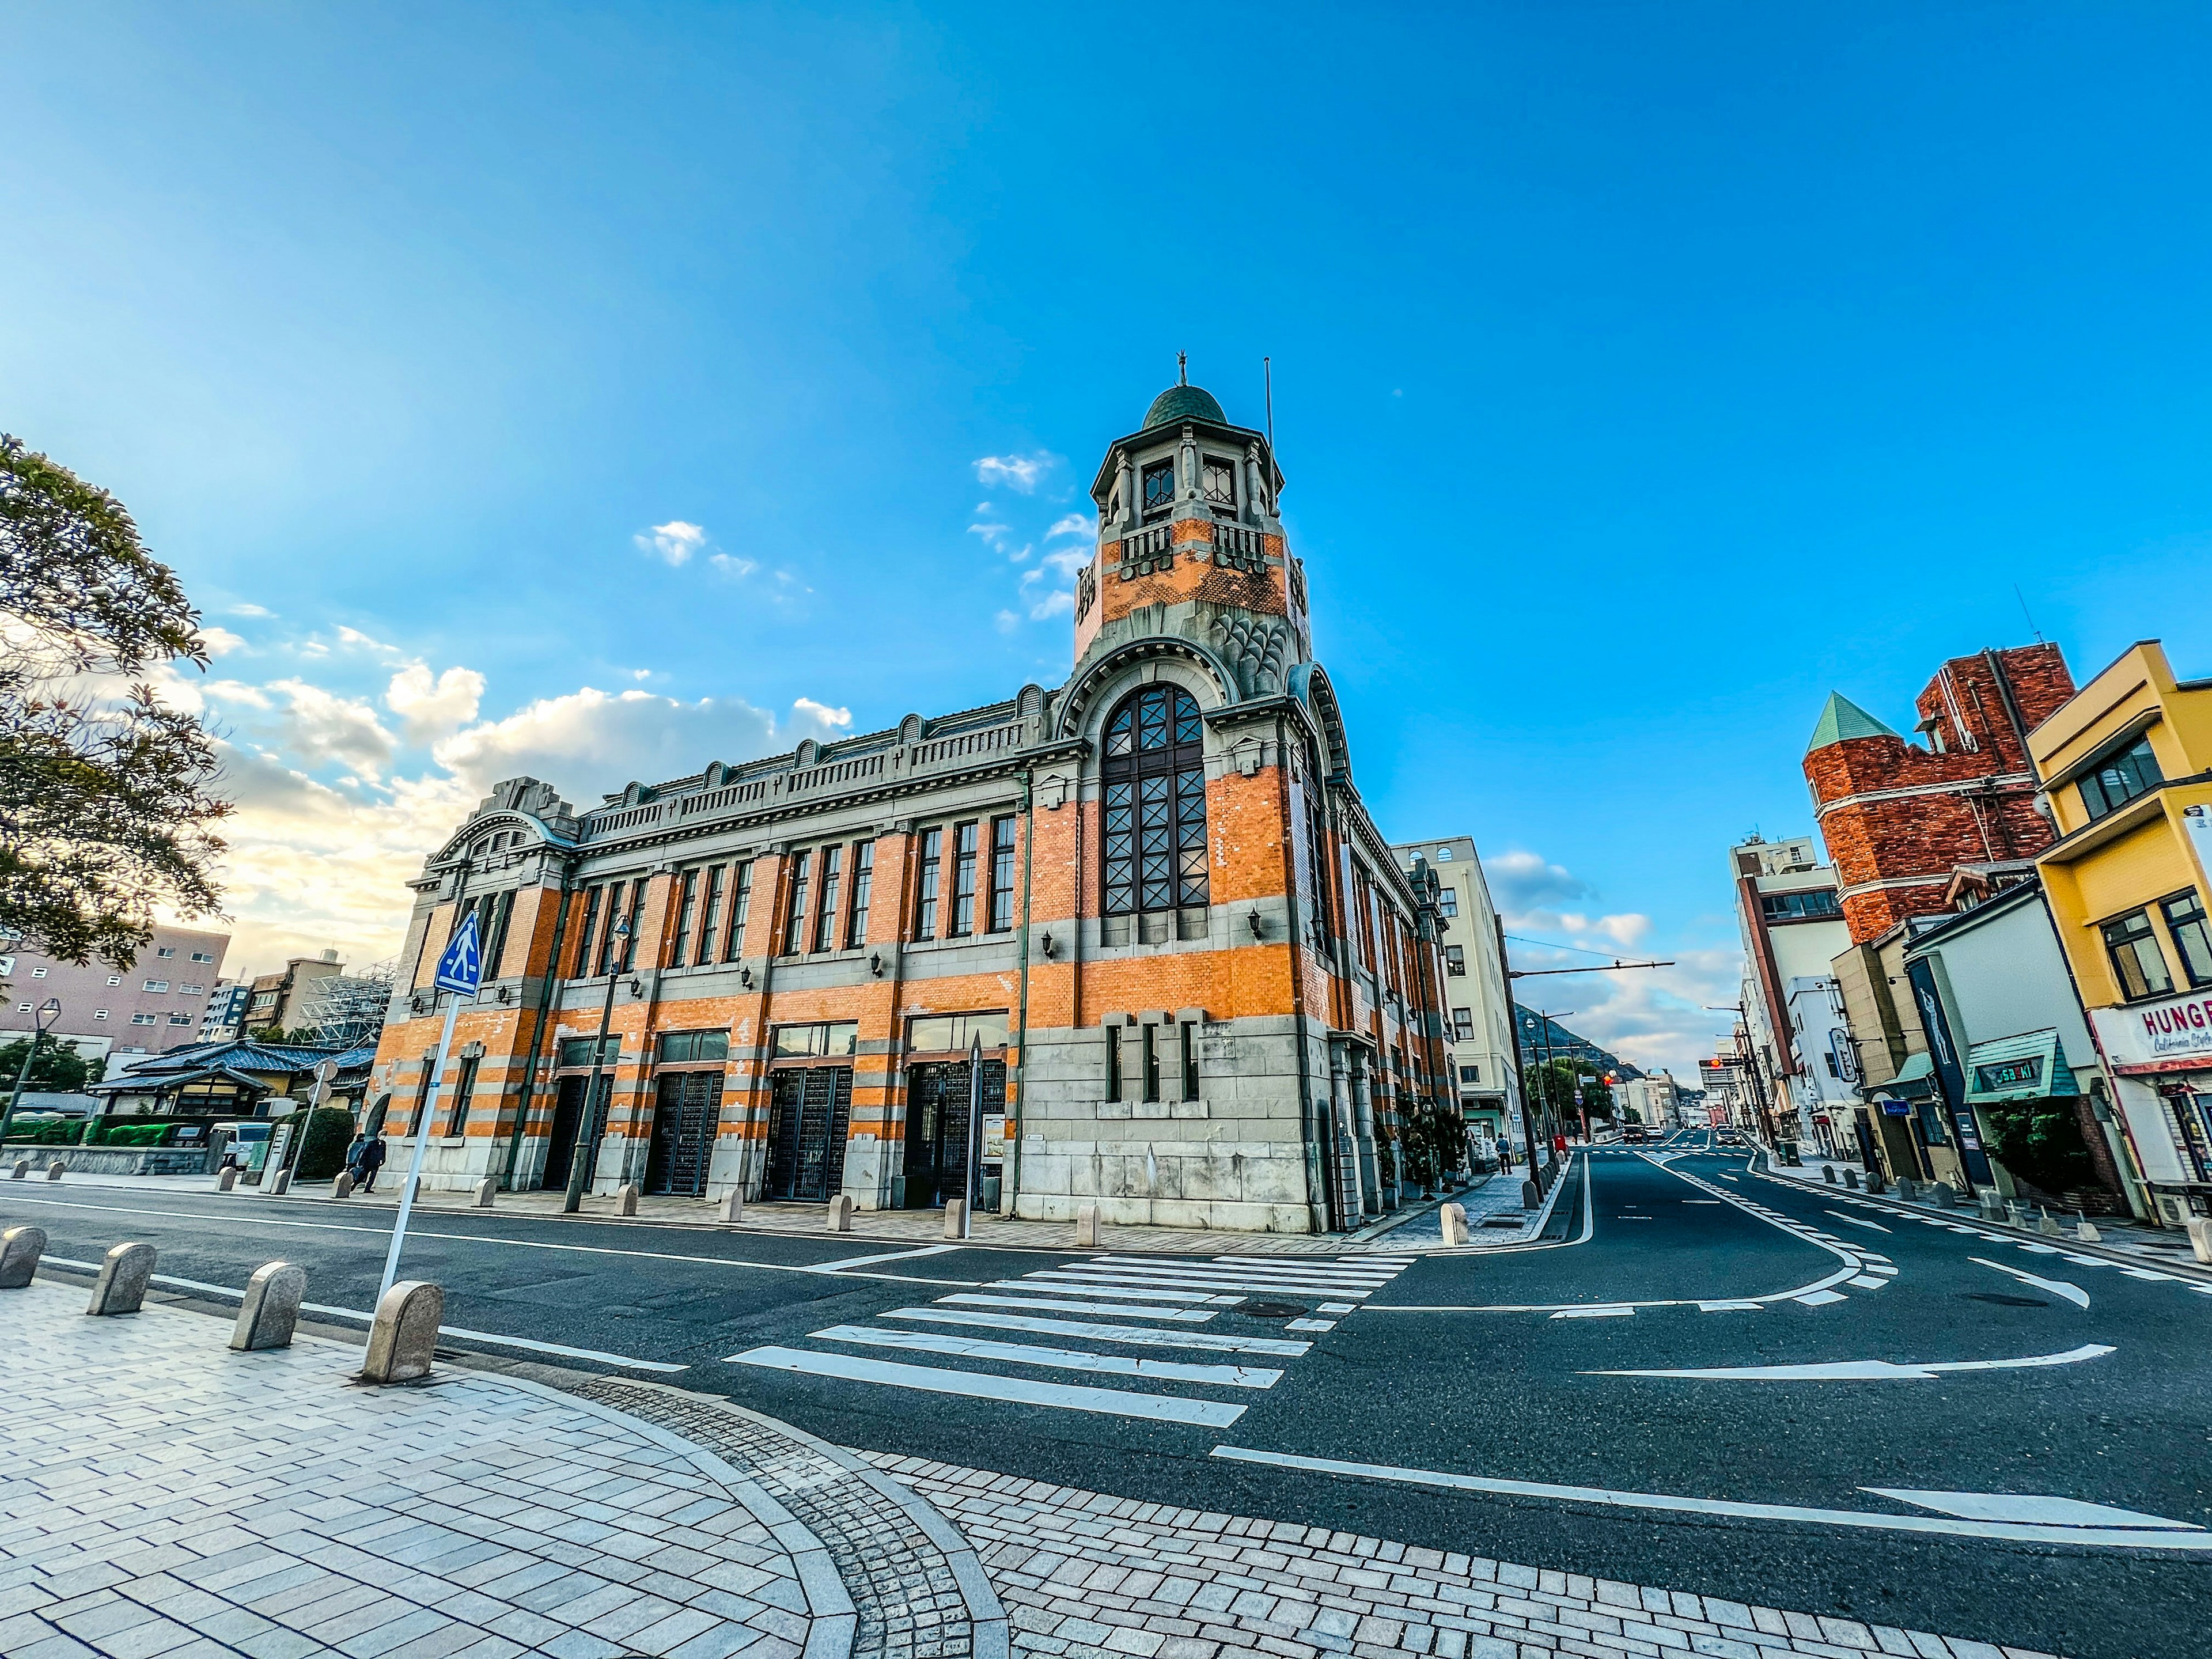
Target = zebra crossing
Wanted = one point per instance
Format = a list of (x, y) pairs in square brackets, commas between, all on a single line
[(1201, 1330)]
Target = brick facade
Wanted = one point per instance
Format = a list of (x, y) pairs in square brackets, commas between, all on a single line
[(1246, 1062), (1898, 818)]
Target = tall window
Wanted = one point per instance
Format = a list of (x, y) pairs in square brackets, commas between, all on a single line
[(1448, 902), (1150, 1036), (1189, 1032), (608, 942), (711, 916), (741, 907), (1454, 959), (963, 879), (584, 931), (2118, 777), (636, 925), (825, 924), (1462, 1025), (1113, 1062), (499, 911), (924, 912), (794, 918), (2137, 959), (1002, 874), (864, 880), (1159, 489), (1217, 482), (686, 907), (457, 1115), (1155, 829), (2185, 919)]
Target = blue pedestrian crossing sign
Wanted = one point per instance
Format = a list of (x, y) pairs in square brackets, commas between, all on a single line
[(461, 968)]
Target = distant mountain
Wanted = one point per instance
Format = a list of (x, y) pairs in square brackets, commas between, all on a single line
[(1543, 1038)]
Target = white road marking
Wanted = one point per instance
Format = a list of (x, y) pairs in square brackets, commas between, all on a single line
[(990, 1385), (1036, 1282), (1867, 1281), (1189, 1315), (1701, 1200), (2085, 1261), (2154, 1278), (887, 1256), (1612, 1312), (2031, 1508), (1872, 1227), (2116, 1537), (2073, 1293), (1207, 1281), (1867, 1370), (1066, 1359), (1309, 1325), (528, 1344), (1731, 1307), (2045, 1249), (1818, 1298), (1337, 1308), (1127, 1336)]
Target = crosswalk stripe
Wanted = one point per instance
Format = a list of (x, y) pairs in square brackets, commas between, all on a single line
[(1216, 1276), (1250, 1268), (1127, 1336), (990, 1385), (1189, 1315), (1280, 1285), (1066, 1359), (1135, 1293)]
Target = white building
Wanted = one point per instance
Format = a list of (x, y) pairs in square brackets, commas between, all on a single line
[(1653, 1097), (1793, 928), (1477, 994)]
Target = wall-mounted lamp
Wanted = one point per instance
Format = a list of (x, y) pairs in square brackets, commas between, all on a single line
[(636, 989), (745, 977), (1259, 927), (1044, 944), (876, 964), (506, 994)]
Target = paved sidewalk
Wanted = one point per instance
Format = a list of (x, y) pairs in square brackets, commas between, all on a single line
[(1085, 1576)]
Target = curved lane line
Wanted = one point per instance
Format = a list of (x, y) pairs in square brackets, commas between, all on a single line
[(1871, 1371)]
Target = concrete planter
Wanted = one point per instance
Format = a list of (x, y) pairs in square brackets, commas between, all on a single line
[(121, 1160)]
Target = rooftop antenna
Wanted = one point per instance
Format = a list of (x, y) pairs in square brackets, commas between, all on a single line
[(1267, 376), (1183, 368), (2024, 611)]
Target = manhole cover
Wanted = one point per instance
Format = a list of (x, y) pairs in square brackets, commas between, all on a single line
[(1273, 1310)]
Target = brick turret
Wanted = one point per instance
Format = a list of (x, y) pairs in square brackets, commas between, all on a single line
[(1899, 819)]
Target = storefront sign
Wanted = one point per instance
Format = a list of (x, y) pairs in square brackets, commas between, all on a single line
[(2157, 1037), (2025, 1073), (995, 1137)]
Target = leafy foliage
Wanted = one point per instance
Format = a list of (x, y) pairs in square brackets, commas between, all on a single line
[(322, 1152), (1553, 1085), (107, 801), (2040, 1141), (55, 1069)]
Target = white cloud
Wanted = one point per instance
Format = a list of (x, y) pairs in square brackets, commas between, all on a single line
[(730, 565), (1005, 622), (1068, 560), (354, 640), (221, 642), (1521, 880), (1059, 603), (249, 610), (994, 535), (1019, 473), (320, 726), (428, 706), (674, 542), (1073, 524)]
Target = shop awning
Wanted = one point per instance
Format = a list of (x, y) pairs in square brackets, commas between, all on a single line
[(2029, 1067), (1915, 1080)]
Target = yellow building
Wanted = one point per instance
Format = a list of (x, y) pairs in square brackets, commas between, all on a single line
[(2127, 767)]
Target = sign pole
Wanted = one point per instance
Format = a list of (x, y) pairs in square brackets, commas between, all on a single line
[(460, 971)]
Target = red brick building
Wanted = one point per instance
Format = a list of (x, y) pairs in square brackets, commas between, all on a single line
[(1206, 992), (1901, 819)]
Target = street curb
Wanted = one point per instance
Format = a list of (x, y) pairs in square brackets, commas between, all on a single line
[(2191, 1272)]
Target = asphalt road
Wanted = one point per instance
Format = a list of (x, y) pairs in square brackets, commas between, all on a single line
[(1189, 1381)]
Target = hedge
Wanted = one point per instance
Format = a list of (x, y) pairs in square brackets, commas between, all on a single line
[(322, 1152)]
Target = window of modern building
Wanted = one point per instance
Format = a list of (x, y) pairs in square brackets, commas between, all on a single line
[(166, 950), (687, 909), (1801, 906), (926, 886), (203, 956), (2117, 777), (1462, 1024), (2185, 919), (677, 1047), (1448, 903), (864, 882), (932, 1034), (115, 979), (180, 1019), (1159, 489), (794, 915), (1155, 824), (135, 1019), (1217, 482), (157, 986), (1454, 960), (2137, 959), (100, 1013), (710, 918), (833, 877), (37, 972), (963, 879), (1002, 874), (1470, 1074), (830, 1039), (189, 990), (741, 907), (1113, 1062)]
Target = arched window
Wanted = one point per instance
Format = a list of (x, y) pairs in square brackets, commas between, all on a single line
[(1155, 830)]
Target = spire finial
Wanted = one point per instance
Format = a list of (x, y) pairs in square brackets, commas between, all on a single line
[(1183, 368)]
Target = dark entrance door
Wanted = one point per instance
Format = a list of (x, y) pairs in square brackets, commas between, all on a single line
[(567, 1110), (937, 1126), (810, 1109), (686, 1105)]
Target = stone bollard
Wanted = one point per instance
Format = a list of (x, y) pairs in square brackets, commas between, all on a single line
[(404, 1338), (271, 1307), (227, 1178), (2047, 1225), (1993, 1207), (2086, 1232), (1851, 1179), (123, 1273), (1907, 1189), (1828, 1173), (733, 1208), (1532, 1195), (1875, 1183), (54, 1170), (2200, 1239), (485, 1188), (20, 1250), (277, 1184), (841, 1213), (1945, 1195), (22, 1170), (956, 1217), (342, 1186), (1452, 1218), (1086, 1226), (626, 1199)]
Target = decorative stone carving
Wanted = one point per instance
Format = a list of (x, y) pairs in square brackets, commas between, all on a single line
[(911, 728), (1086, 589), (1256, 648)]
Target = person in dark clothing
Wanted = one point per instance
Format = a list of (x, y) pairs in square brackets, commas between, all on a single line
[(352, 1164), (371, 1159)]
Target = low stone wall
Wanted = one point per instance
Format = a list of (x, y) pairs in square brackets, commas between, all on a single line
[(112, 1160)]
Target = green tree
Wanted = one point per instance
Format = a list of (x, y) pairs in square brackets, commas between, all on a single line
[(57, 1068), (106, 795), (1553, 1085)]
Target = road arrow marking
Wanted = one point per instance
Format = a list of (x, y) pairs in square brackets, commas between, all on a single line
[(2073, 1293), (2030, 1508), (1871, 1371), (1872, 1227)]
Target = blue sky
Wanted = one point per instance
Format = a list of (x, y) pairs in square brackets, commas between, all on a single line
[(1642, 373)]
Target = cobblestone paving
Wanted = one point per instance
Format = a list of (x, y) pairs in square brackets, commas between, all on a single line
[(902, 1583), (161, 1495), (1085, 1576)]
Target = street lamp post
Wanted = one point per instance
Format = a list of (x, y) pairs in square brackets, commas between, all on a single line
[(38, 1023)]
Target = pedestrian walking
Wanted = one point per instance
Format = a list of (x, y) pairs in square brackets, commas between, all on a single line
[(352, 1164), (371, 1159)]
